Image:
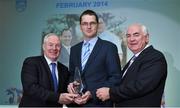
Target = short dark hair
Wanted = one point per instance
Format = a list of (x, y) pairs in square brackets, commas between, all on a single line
[(89, 12), (65, 29)]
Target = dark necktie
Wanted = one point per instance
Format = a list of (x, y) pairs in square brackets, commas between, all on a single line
[(54, 76), (131, 61)]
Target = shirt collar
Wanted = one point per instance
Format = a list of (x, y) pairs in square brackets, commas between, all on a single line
[(137, 54), (67, 47), (49, 61), (91, 41)]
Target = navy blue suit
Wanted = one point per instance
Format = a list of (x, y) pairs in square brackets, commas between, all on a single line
[(102, 69), (144, 81), (37, 82)]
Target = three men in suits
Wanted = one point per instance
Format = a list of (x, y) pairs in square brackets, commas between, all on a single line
[(98, 61), (144, 76), (43, 84)]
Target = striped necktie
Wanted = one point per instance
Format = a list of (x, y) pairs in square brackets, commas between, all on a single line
[(85, 54)]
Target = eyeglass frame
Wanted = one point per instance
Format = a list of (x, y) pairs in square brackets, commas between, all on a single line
[(89, 24)]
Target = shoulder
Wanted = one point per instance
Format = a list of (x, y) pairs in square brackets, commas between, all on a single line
[(159, 55), (152, 53), (106, 43), (77, 46), (33, 59)]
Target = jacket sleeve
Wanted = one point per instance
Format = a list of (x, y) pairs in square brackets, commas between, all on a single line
[(150, 74), (113, 67)]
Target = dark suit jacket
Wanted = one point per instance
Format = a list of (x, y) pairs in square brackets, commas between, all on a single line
[(144, 82), (102, 69), (37, 83)]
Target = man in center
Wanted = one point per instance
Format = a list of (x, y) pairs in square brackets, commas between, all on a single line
[(97, 60)]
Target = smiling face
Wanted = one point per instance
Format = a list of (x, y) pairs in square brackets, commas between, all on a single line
[(66, 37), (89, 26), (137, 38), (51, 47)]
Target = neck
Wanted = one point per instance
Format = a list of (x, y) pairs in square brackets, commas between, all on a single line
[(88, 39)]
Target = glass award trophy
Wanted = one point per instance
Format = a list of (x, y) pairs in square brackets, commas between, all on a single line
[(77, 84)]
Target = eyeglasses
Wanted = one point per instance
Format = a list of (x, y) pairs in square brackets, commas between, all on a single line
[(89, 24)]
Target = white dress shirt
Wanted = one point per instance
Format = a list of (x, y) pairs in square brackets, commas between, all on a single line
[(50, 66)]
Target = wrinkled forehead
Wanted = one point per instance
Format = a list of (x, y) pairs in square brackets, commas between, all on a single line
[(134, 29)]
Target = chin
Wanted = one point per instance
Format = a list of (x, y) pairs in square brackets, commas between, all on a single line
[(54, 58)]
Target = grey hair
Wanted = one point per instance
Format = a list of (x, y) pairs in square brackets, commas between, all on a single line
[(46, 38), (144, 29)]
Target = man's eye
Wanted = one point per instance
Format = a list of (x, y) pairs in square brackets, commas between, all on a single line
[(136, 34), (127, 35), (50, 44)]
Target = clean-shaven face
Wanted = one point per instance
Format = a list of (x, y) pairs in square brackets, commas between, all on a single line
[(89, 26), (136, 38), (66, 37), (52, 47)]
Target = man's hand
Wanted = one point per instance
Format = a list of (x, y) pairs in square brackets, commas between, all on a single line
[(72, 87), (83, 99), (103, 93), (67, 98)]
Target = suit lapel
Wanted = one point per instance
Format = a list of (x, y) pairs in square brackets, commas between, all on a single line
[(126, 66), (79, 55), (60, 75), (93, 54), (134, 64), (47, 69)]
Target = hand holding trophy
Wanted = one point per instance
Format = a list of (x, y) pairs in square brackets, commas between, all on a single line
[(78, 88), (78, 84)]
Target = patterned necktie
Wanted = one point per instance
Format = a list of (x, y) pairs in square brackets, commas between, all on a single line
[(54, 76), (85, 55), (131, 61)]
